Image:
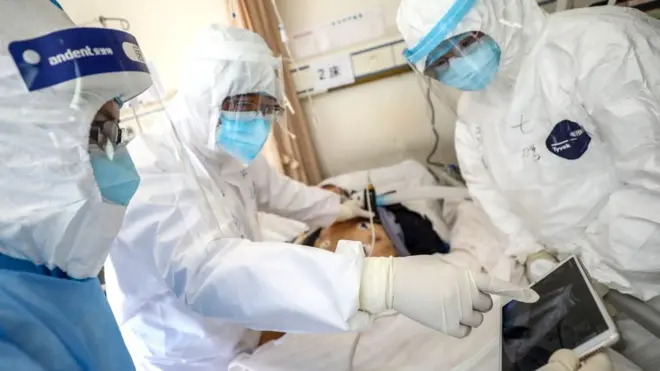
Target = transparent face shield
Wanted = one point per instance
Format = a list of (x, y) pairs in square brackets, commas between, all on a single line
[(448, 63), (65, 174), (78, 77)]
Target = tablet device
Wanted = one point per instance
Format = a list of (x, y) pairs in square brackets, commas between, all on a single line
[(568, 315)]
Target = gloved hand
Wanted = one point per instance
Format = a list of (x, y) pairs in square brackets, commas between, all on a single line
[(539, 264), (433, 292), (567, 360), (352, 209)]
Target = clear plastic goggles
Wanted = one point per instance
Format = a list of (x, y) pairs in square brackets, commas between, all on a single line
[(105, 131), (252, 106), (459, 46)]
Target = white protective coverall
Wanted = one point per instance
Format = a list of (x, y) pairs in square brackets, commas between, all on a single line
[(596, 193), (187, 274), (58, 207), (165, 246)]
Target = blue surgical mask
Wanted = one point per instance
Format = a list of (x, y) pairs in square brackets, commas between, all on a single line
[(117, 179), (242, 135), (475, 70)]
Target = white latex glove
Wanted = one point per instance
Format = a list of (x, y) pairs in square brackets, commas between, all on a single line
[(352, 209), (539, 264), (433, 292), (567, 360)]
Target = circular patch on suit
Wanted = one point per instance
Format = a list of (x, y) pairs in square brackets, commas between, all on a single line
[(568, 140)]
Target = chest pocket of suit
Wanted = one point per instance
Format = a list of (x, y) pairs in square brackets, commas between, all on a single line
[(554, 162), (568, 140), (574, 149)]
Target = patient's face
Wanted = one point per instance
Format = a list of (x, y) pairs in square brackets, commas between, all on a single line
[(356, 230)]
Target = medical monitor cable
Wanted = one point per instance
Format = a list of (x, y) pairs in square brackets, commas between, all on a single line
[(444, 175), (436, 135)]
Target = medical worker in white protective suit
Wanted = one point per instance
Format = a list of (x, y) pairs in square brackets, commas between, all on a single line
[(65, 180), (188, 275), (558, 128)]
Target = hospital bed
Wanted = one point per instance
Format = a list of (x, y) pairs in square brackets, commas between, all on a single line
[(395, 342)]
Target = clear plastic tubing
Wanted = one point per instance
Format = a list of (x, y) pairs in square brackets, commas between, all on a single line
[(424, 193)]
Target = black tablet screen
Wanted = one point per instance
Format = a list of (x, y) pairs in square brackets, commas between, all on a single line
[(565, 317)]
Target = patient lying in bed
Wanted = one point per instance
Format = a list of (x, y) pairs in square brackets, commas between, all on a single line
[(393, 342), (405, 232), (421, 238)]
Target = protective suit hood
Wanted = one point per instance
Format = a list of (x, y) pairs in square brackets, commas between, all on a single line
[(51, 209), (516, 25), (222, 62)]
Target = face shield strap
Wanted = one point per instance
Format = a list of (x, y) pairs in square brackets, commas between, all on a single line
[(439, 32)]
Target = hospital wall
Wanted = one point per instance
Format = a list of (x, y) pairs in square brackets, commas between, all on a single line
[(378, 124), (374, 124)]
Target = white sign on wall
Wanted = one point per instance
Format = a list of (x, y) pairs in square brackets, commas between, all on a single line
[(342, 32), (332, 72)]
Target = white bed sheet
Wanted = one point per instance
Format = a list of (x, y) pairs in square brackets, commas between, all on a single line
[(395, 342), (392, 343)]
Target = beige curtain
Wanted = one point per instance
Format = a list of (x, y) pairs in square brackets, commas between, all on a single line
[(296, 153)]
